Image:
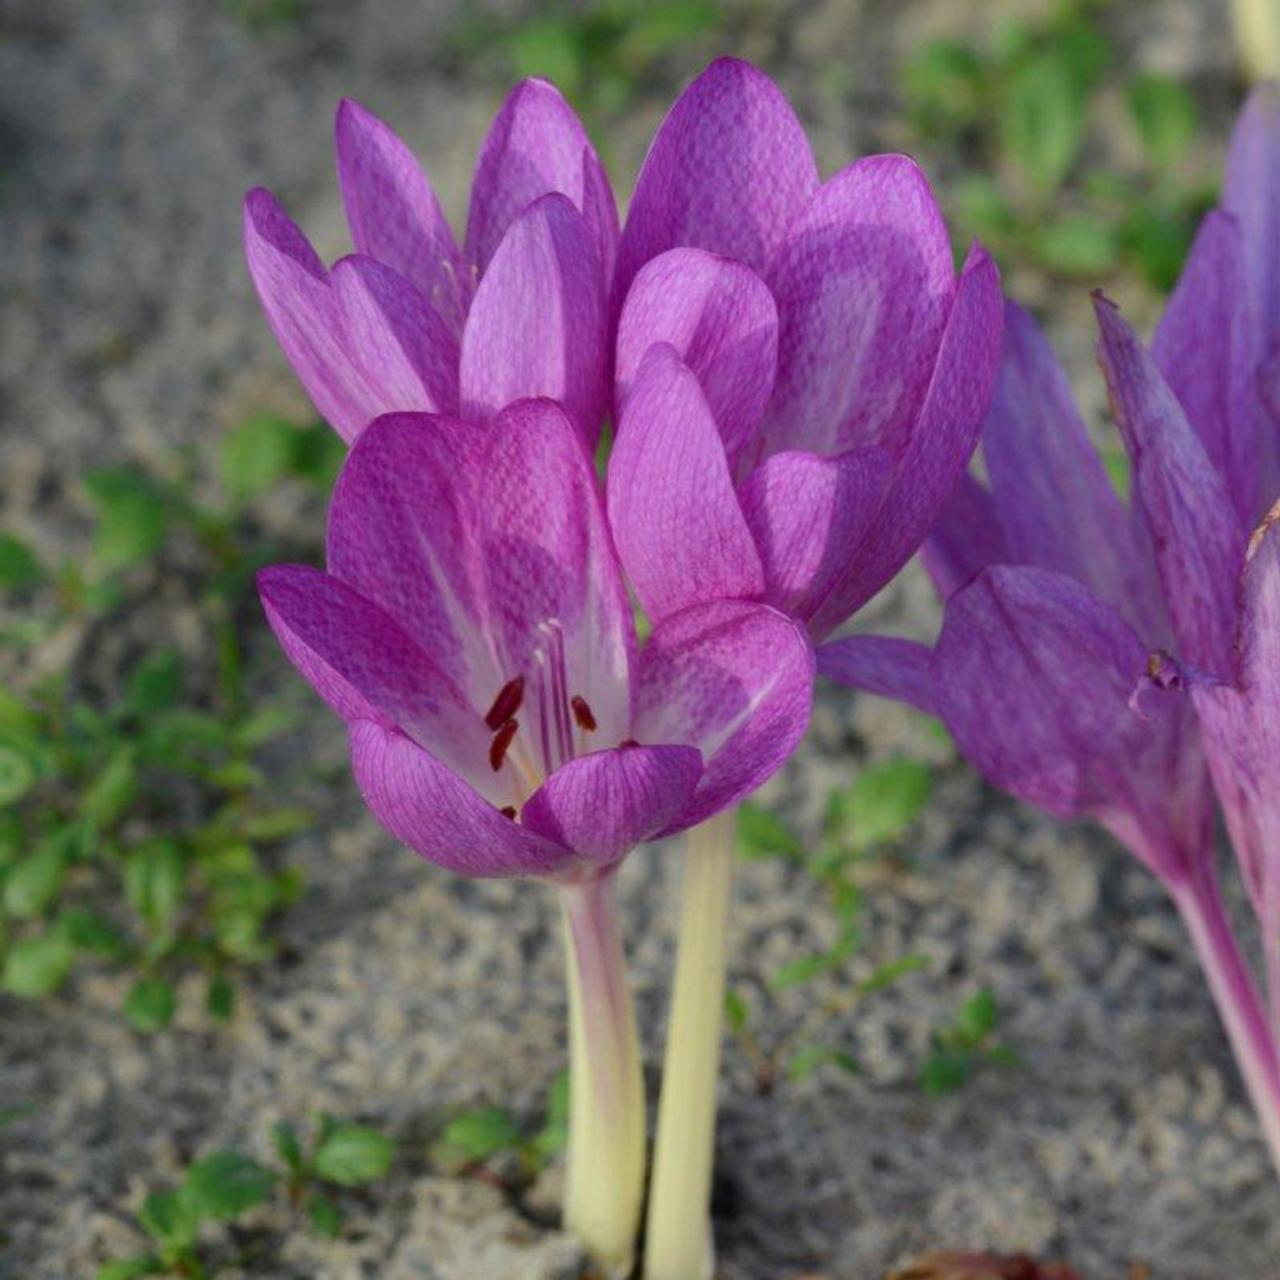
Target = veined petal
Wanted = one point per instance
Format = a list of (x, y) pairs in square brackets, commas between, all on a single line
[(808, 516), (537, 145), (1205, 349), (728, 170), (537, 325), (941, 444), (1036, 678), (966, 538), (720, 318), (1054, 501), (428, 807), (864, 284), (734, 680), (405, 350), (675, 517), (602, 805), (1251, 192), (394, 213), (1199, 542), (884, 665)]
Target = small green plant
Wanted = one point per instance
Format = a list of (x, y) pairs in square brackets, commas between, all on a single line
[(862, 822), (1023, 107), (963, 1045), (226, 1185), (135, 826)]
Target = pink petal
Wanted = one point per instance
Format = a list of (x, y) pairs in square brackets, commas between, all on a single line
[(721, 320), (734, 680), (537, 325), (728, 170), (676, 520), (537, 145), (394, 214), (1199, 542), (941, 444), (602, 805), (808, 516), (885, 665), (429, 808), (864, 285)]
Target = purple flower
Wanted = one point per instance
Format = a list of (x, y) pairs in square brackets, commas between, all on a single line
[(410, 322), (474, 633), (800, 375)]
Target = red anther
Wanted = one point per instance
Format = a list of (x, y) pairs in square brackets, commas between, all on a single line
[(506, 704), (509, 811), (501, 741), (582, 713)]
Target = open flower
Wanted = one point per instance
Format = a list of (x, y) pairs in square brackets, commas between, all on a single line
[(801, 376), (473, 631), (410, 322)]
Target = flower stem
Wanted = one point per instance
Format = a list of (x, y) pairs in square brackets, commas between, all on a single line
[(678, 1243), (604, 1184), (1200, 904)]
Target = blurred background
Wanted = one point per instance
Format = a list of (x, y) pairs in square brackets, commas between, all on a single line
[(241, 1033)]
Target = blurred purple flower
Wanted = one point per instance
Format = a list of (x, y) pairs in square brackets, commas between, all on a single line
[(800, 375), (474, 633), (1053, 668), (409, 322)]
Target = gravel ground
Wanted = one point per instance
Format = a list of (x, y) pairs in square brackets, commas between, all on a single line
[(128, 130)]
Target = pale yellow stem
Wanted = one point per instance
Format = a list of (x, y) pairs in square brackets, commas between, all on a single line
[(1258, 37), (678, 1243), (604, 1182)]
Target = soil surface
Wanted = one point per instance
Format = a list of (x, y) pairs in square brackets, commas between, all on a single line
[(128, 131)]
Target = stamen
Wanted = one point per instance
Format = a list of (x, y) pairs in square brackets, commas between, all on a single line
[(506, 704), (501, 741), (508, 811), (582, 713)]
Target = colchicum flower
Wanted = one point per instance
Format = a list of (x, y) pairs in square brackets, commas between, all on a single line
[(1076, 624), (474, 632), (800, 381), (408, 322)]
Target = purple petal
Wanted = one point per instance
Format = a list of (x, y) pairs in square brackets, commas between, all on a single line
[(535, 146), (885, 665), (474, 537), (1054, 501), (965, 540), (734, 680), (1251, 192), (602, 805), (406, 352), (429, 808), (537, 325), (728, 170), (1199, 543), (1035, 677), (864, 285), (679, 529), (941, 444), (394, 214), (808, 516), (1203, 347), (720, 318)]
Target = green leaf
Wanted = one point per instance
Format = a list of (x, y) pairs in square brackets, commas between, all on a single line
[(256, 456), (171, 1218), (797, 972), (352, 1155), (154, 877), (977, 1018), (87, 931), (885, 799), (32, 885), (318, 454), (147, 1264), (943, 83), (944, 1071), (554, 1134), (1042, 123), (149, 1005), (113, 790), (1165, 114), (805, 1061), (1079, 245), (227, 1184), (155, 683), (220, 999), (325, 1216), (1119, 470), (285, 1140), (132, 516), (475, 1136), (762, 834), (19, 565), (17, 776), (887, 974), (736, 1011), (39, 965)]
